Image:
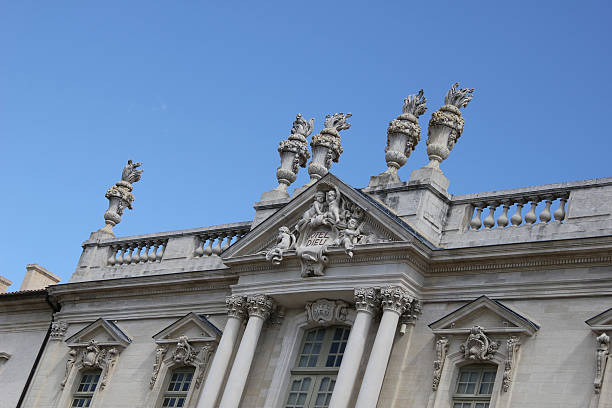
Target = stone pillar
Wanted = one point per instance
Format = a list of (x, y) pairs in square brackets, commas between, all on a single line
[(394, 302), (366, 303), (236, 310), (259, 308)]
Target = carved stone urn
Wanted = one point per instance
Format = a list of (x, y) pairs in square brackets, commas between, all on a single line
[(403, 134), (326, 146), (294, 154), (446, 126), (120, 196)]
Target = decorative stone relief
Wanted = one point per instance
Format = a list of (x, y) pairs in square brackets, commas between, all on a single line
[(160, 352), (236, 306), (184, 353), (58, 330), (403, 135), (367, 300), (285, 241), (92, 356), (603, 345), (441, 350), (327, 312), (120, 196), (260, 306), (478, 345), (395, 299), (513, 345), (446, 125), (326, 146)]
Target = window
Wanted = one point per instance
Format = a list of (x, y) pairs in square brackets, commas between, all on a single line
[(85, 391), (178, 387), (474, 386), (314, 374)]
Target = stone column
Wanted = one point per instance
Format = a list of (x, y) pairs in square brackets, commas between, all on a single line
[(236, 310), (259, 308), (366, 303), (394, 302)]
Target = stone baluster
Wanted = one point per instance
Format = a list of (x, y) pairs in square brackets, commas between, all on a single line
[(395, 302), (530, 217), (259, 308), (545, 214), (200, 249), (136, 253), (120, 196), (144, 255), (326, 147), (489, 222), (228, 240), (216, 250), (119, 260), (236, 311), (517, 217), (209, 245), (153, 253), (559, 213), (112, 259), (367, 303), (127, 257), (160, 252), (476, 222), (502, 221)]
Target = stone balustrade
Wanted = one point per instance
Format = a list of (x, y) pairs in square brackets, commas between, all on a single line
[(140, 251), (511, 211), (213, 243)]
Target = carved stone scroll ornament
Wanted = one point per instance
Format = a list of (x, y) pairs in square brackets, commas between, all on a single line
[(513, 345), (478, 345), (92, 356), (293, 153), (120, 196), (603, 345), (326, 147), (160, 352), (446, 125), (184, 354), (403, 135), (327, 312), (58, 330), (438, 365)]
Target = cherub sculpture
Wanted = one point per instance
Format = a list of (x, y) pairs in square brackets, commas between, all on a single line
[(333, 206), (285, 241), (315, 214), (349, 237)]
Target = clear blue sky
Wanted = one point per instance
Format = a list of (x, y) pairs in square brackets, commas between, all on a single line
[(202, 93)]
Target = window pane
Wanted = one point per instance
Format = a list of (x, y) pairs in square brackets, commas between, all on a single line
[(300, 389), (311, 349), (337, 347), (326, 387), (476, 380), (178, 387)]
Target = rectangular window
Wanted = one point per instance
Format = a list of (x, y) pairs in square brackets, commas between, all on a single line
[(85, 391), (178, 388), (474, 386), (314, 374)]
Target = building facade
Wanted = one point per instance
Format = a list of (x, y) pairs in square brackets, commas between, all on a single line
[(397, 294)]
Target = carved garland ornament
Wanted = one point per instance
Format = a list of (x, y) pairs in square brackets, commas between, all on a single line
[(513, 345), (92, 356), (603, 345), (441, 350)]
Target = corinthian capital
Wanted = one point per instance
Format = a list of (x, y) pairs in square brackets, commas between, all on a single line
[(236, 306), (395, 299), (260, 306), (367, 300)]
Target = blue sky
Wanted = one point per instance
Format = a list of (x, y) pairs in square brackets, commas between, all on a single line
[(203, 92)]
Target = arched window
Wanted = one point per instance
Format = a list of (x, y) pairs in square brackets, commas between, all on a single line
[(178, 387), (87, 386), (474, 386), (314, 374)]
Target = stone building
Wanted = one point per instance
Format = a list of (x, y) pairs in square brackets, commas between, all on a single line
[(397, 294)]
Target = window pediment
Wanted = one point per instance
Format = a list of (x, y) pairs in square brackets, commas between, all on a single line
[(197, 328), (103, 332)]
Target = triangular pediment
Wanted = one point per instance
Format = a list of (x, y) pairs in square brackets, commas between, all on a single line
[(487, 313), (103, 332), (375, 223), (601, 322), (195, 327)]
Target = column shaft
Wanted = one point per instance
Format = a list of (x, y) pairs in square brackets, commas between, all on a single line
[(218, 368), (242, 364), (350, 362), (379, 358)]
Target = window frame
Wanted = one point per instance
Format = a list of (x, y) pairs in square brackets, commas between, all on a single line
[(177, 394), (319, 372), (76, 394), (476, 397)]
